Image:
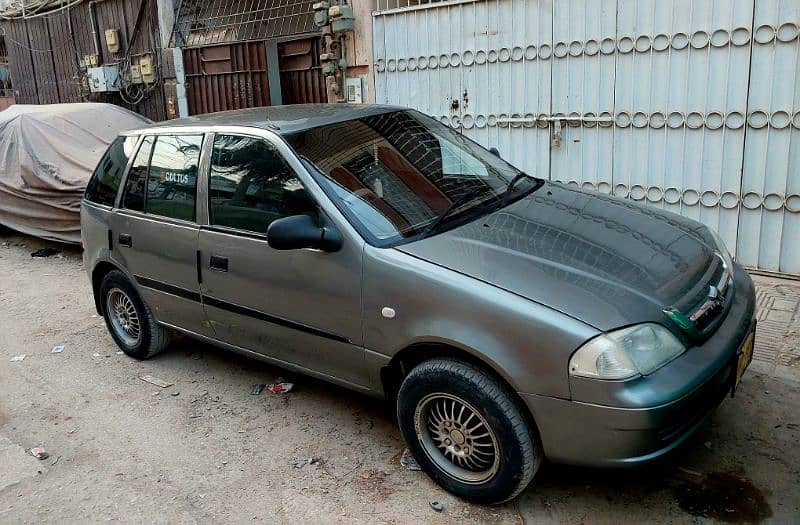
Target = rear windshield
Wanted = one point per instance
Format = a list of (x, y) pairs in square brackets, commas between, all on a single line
[(103, 186)]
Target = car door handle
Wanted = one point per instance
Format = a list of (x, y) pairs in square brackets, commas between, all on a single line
[(125, 240), (219, 263)]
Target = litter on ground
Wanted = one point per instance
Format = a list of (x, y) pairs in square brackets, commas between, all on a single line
[(57, 349), (17, 358), (435, 504), (155, 381), (44, 252), (39, 453), (408, 462), (280, 386)]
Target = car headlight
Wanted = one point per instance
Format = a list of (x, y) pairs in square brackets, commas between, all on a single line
[(723, 251), (626, 353)]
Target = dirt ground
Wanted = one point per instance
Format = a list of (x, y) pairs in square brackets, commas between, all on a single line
[(205, 450)]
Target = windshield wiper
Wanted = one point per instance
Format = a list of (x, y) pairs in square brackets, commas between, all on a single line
[(518, 177), (453, 205)]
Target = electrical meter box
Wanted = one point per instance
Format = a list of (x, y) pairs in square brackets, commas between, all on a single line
[(342, 18), (146, 69), (353, 89), (321, 13), (112, 40), (136, 74), (103, 79)]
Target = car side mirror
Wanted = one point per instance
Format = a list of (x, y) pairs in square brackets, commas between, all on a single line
[(494, 151), (302, 231)]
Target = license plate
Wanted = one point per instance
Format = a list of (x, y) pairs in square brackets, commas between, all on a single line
[(745, 356)]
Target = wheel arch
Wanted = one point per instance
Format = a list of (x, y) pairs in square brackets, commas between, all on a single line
[(393, 373), (99, 272), (405, 360)]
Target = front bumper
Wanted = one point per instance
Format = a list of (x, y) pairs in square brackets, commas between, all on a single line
[(643, 419)]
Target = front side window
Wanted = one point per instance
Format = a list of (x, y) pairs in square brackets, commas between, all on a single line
[(400, 175), (103, 186), (172, 178), (250, 185)]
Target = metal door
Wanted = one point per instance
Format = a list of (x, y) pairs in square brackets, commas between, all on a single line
[(459, 62), (687, 105), (769, 198)]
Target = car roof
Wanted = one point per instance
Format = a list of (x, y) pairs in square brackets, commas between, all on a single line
[(281, 119)]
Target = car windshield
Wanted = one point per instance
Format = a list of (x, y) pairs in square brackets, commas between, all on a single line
[(401, 176)]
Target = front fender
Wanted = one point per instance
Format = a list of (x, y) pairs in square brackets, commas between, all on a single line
[(527, 343)]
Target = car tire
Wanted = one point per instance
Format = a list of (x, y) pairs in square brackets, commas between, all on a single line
[(468, 431), (129, 320)]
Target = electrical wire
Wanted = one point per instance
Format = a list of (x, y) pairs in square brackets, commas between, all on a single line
[(33, 8)]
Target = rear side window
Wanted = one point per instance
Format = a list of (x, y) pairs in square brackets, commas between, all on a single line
[(133, 198), (172, 181), (102, 187), (251, 185)]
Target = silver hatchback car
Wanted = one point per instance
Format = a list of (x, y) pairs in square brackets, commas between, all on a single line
[(509, 318)]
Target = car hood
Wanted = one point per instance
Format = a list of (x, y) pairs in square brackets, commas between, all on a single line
[(600, 259)]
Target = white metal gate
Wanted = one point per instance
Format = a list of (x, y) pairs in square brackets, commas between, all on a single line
[(688, 105)]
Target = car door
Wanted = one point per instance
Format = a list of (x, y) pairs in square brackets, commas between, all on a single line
[(299, 306), (155, 230)]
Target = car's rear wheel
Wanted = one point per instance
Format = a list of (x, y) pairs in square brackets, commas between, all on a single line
[(468, 431), (129, 319)]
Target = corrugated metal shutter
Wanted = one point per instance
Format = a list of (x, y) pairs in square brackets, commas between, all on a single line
[(691, 106), (227, 76), (302, 81)]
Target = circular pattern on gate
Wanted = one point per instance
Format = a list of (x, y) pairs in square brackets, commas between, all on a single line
[(719, 38), (638, 192), (625, 44), (764, 34), (715, 120), (672, 195), (680, 41), (657, 120), (694, 120), (780, 119), (792, 203), (734, 120), (690, 197), (661, 42), (642, 43), (740, 36), (787, 32), (729, 200), (654, 194), (709, 198)]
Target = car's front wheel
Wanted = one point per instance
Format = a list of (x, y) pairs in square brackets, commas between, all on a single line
[(129, 320), (468, 431)]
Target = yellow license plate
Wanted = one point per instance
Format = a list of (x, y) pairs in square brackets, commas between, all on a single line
[(746, 356)]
